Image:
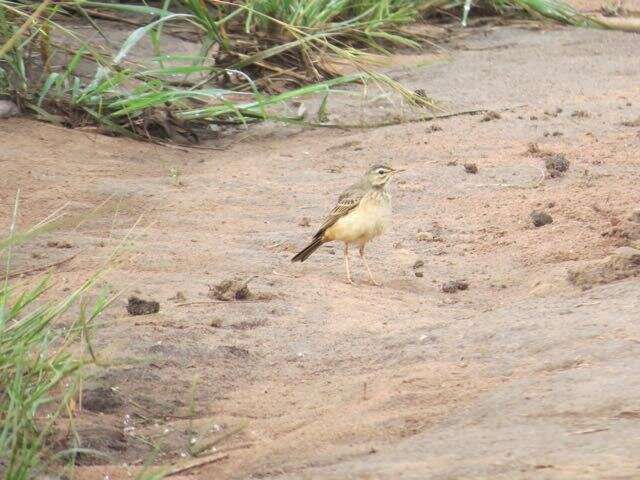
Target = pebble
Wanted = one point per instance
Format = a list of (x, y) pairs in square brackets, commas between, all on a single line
[(452, 286), (540, 219), (471, 168), (8, 109)]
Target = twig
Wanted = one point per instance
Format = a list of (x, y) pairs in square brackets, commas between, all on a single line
[(425, 118), (208, 302), (198, 463), (391, 123), (24, 27), (45, 267), (591, 430)]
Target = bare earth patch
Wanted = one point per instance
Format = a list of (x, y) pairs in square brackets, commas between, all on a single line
[(521, 375)]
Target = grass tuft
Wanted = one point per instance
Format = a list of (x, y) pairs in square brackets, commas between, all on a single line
[(253, 58), (41, 365)]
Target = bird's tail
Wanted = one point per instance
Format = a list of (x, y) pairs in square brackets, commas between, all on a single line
[(308, 250)]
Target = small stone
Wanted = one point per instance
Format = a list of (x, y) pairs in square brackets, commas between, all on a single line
[(540, 219), (419, 274), (304, 222), (8, 109), (452, 163), (418, 264), (471, 168), (556, 165), (491, 115), (434, 128), (551, 204), (452, 286)]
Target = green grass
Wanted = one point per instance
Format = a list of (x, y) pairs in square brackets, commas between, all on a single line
[(248, 52), (41, 365)]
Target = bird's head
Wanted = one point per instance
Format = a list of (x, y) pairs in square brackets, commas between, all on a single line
[(380, 174)]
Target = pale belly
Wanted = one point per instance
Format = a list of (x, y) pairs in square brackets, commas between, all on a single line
[(370, 219)]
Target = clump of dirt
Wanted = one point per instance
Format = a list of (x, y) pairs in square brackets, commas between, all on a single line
[(471, 168), (434, 128), (59, 244), (540, 219), (554, 114), (491, 115), (631, 123), (138, 306), (556, 165), (229, 290), (580, 114), (555, 133), (453, 286), (624, 263), (102, 400), (417, 268)]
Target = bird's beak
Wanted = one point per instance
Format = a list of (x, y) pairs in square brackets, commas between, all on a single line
[(399, 170)]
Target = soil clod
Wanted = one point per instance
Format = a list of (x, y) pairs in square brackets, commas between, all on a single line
[(580, 114), (138, 306), (452, 286), (491, 115), (229, 290), (631, 123), (556, 165), (59, 244), (471, 168), (418, 264), (624, 263), (101, 399), (540, 219)]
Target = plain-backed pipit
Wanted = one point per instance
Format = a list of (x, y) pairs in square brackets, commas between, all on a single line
[(363, 212)]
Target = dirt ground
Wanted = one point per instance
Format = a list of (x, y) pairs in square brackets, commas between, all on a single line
[(532, 372)]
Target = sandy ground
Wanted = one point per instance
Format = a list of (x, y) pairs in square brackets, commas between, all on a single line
[(523, 375)]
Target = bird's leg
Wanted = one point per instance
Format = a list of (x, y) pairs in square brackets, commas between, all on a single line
[(346, 263), (366, 265)]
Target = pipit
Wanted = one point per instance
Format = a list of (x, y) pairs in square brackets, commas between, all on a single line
[(363, 212)]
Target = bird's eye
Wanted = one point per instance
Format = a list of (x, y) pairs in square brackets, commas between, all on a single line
[(380, 172)]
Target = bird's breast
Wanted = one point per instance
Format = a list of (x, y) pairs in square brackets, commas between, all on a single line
[(368, 220)]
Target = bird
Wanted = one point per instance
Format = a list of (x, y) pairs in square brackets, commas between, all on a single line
[(363, 212)]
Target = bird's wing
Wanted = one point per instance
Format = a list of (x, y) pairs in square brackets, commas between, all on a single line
[(347, 201)]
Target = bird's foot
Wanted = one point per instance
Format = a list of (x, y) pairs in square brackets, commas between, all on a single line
[(350, 281), (374, 283)]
